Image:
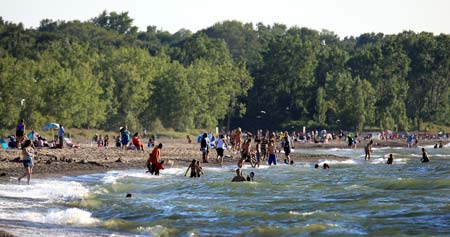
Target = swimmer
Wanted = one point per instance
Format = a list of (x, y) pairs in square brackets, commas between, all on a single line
[(390, 160), (251, 176), (238, 177), (316, 166), (425, 157), (325, 166)]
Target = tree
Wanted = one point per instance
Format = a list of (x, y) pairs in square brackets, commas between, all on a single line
[(120, 23)]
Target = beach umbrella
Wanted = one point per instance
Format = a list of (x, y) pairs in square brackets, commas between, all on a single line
[(50, 126)]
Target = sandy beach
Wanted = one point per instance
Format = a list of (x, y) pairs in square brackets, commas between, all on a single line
[(176, 153)]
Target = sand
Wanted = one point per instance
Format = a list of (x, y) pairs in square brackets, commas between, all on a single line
[(175, 152)]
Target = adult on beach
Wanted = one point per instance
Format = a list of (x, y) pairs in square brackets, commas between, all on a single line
[(27, 153), (425, 157), (264, 142), (271, 149), (237, 139), (61, 136), (204, 147), (287, 148), (368, 150), (258, 153), (154, 160), (125, 136), (136, 140), (221, 145), (20, 132)]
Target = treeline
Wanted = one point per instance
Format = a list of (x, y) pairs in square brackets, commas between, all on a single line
[(104, 73)]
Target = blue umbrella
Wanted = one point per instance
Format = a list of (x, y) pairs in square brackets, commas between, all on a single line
[(50, 126)]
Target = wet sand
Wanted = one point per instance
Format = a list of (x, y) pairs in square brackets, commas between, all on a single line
[(175, 152)]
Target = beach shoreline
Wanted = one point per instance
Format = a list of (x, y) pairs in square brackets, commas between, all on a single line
[(88, 159)]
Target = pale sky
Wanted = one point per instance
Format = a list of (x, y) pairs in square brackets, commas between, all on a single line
[(344, 17)]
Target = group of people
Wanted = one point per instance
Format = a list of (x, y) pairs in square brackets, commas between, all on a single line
[(265, 147), (240, 176), (125, 141)]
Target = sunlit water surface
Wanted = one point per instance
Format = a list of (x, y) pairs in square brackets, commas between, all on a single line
[(352, 198)]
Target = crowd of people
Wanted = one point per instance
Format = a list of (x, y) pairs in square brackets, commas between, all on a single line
[(252, 148)]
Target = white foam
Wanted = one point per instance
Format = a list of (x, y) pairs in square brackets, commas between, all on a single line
[(440, 155), (45, 189), (71, 216), (157, 230), (347, 162), (303, 213)]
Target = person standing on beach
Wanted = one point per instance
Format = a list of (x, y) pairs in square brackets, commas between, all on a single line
[(271, 149), (287, 148), (136, 140), (27, 153), (264, 148), (221, 145), (204, 147), (258, 152), (20, 133), (154, 159), (425, 157), (368, 150), (125, 135), (410, 140), (61, 136), (237, 139)]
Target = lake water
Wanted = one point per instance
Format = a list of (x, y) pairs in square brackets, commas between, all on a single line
[(352, 198)]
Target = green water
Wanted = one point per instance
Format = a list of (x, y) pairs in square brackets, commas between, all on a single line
[(350, 199)]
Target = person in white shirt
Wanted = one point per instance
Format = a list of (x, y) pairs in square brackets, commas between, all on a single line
[(221, 145)]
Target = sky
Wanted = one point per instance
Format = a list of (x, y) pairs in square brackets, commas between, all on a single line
[(344, 17)]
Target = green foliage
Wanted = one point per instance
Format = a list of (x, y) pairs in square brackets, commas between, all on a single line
[(104, 74)]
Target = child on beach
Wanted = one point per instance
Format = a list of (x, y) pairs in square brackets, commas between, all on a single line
[(195, 169), (199, 169), (28, 153), (159, 166), (250, 176)]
